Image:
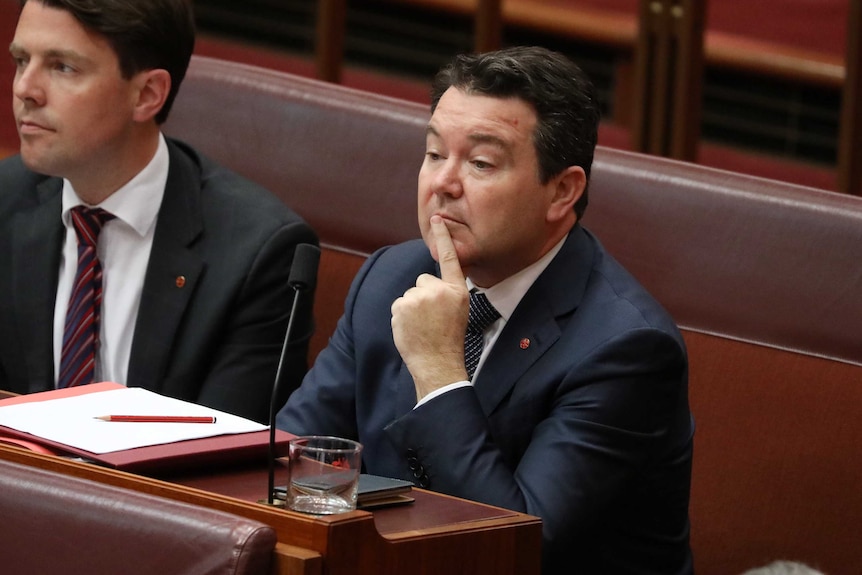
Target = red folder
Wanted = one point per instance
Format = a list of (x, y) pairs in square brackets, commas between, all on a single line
[(194, 453)]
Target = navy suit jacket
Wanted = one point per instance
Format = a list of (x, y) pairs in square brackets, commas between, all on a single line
[(579, 415), (217, 339)]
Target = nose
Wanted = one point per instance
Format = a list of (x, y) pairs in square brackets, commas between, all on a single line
[(447, 179), (27, 85)]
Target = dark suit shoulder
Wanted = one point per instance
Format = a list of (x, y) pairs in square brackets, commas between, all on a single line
[(220, 183), (395, 268), (225, 197), (18, 185), (411, 255)]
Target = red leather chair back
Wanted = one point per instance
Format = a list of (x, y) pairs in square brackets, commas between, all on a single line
[(57, 523)]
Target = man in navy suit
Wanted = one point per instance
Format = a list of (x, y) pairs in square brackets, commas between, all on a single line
[(577, 411), (195, 259)]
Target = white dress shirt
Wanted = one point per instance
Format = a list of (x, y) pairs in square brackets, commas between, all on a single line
[(505, 297), (124, 252)]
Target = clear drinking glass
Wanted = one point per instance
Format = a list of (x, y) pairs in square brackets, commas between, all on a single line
[(324, 474)]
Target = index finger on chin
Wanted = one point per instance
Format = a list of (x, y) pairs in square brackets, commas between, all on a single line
[(447, 257)]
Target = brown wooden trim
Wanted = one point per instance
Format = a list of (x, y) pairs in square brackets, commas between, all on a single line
[(329, 39), (776, 60), (292, 560), (489, 25), (850, 136), (687, 22), (669, 78), (619, 30)]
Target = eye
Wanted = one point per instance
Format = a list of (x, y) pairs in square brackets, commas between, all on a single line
[(63, 68), (482, 164), (433, 156), (19, 61)]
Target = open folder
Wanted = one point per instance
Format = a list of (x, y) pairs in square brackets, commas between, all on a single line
[(167, 455)]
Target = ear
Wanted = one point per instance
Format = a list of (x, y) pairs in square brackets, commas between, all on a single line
[(567, 188), (152, 88)]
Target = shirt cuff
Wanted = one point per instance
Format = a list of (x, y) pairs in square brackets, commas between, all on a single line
[(441, 391)]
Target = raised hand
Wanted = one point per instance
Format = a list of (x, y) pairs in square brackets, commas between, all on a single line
[(429, 320)]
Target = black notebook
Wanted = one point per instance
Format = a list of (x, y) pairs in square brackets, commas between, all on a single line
[(373, 491)]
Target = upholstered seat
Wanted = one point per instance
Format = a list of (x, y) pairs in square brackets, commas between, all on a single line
[(57, 523)]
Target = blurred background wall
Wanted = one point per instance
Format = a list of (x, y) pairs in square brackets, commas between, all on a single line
[(771, 84)]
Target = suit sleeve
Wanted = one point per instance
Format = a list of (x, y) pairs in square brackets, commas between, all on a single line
[(606, 419), (325, 403)]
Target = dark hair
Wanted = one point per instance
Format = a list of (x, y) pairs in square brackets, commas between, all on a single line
[(145, 35), (561, 94)]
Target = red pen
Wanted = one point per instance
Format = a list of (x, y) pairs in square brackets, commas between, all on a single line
[(159, 418)]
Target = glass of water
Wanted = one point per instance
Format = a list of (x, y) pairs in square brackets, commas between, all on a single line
[(324, 474)]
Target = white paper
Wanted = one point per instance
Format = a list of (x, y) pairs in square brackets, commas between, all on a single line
[(72, 420)]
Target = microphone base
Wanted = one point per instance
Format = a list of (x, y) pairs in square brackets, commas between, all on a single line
[(280, 503)]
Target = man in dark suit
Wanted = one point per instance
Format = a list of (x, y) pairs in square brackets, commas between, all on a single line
[(577, 410), (194, 259)]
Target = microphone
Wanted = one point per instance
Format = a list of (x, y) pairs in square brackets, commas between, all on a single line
[(303, 277)]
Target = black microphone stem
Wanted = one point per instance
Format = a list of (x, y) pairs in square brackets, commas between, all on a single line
[(272, 403), (303, 276)]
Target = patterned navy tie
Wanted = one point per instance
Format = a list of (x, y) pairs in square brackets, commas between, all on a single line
[(482, 314), (81, 330)]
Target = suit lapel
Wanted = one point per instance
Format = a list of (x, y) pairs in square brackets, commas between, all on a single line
[(536, 323), (37, 240), (526, 337), (173, 271)]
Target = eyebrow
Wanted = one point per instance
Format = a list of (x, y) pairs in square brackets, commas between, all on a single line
[(53, 53), (489, 139), (479, 138)]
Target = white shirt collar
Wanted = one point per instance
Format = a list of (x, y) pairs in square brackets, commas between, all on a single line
[(507, 294), (137, 202)]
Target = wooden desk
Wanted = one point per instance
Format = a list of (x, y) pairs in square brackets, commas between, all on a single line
[(436, 534)]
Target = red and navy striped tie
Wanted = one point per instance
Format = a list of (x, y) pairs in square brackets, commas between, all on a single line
[(81, 331)]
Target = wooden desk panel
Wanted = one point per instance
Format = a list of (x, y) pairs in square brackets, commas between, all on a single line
[(436, 534), (430, 512)]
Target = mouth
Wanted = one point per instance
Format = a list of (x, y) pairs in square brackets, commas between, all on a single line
[(27, 127), (448, 219)]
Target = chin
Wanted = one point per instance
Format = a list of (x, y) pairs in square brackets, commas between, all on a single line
[(31, 161), (38, 155), (37, 164)]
